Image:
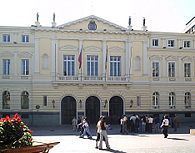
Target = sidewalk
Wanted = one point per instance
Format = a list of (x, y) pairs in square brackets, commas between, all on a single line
[(132, 143)]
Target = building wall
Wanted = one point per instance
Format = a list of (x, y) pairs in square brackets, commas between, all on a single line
[(47, 47)]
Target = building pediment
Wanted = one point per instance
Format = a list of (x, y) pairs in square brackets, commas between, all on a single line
[(186, 58), (155, 57), (68, 48), (171, 58), (92, 23)]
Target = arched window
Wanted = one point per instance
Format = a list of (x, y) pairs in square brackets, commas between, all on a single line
[(155, 99), (137, 63), (25, 100), (6, 100), (187, 100), (172, 99), (45, 61)]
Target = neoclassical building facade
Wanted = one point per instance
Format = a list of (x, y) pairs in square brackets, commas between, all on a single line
[(91, 67)]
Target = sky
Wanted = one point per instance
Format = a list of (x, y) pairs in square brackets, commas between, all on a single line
[(160, 15)]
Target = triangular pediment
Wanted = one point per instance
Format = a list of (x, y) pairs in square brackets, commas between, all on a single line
[(92, 23)]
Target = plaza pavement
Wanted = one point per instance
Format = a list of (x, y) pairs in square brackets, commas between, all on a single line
[(177, 142)]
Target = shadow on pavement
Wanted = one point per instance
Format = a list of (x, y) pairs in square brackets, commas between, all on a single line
[(178, 139), (113, 150)]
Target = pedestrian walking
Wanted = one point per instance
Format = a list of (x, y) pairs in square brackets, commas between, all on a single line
[(74, 124), (165, 126), (103, 133), (86, 130), (98, 132)]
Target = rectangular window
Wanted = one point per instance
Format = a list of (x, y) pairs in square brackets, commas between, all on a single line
[(171, 69), (45, 100), (25, 38), (187, 70), (92, 65), (25, 66), (115, 66), (170, 43), (155, 69), (186, 44), (6, 66), (155, 42), (6, 38), (69, 65)]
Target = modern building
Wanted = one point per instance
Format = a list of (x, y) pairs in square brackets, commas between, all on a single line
[(91, 67)]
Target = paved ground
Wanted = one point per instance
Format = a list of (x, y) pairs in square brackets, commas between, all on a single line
[(180, 142)]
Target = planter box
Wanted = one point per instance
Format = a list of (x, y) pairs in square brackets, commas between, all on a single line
[(37, 147)]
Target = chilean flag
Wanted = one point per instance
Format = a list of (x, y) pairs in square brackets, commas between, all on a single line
[(80, 58)]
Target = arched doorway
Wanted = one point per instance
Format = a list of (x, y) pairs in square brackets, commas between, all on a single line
[(68, 109), (92, 109), (115, 109)]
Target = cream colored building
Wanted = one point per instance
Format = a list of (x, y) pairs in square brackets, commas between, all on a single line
[(123, 71)]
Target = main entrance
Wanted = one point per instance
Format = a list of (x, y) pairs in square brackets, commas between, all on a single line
[(92, 109), (115, 109), (68, 109)]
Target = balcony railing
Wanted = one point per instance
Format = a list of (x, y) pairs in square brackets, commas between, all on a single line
[(92, 78), (68, 78)]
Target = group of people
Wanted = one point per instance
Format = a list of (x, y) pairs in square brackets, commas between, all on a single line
[(133, 123), (139, 124), (145, 123), (83, 127)]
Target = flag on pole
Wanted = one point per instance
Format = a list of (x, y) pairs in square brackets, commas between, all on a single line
[(106, 61), (80, 57)]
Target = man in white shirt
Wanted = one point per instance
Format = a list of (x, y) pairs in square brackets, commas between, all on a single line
[(165, 126)]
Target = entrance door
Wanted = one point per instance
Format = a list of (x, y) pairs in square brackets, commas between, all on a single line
[(92, 109), (68, 110), (115, 109)]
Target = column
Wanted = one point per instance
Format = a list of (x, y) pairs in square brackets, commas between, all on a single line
[(54, 58), (104, 58), (164, 68), (15, 69), (37, 56), (179, 69), (128, 54), (145, 58)]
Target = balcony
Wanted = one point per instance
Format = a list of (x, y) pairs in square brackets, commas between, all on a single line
[(188, 79), (172, 107), (117, 78), (156, 78), (93, 79), (156, 106), (187, 107), (172, 79), (68, 78), (6, 77)]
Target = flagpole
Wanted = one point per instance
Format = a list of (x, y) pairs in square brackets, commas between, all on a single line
[(81, 63), (81, 74)]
